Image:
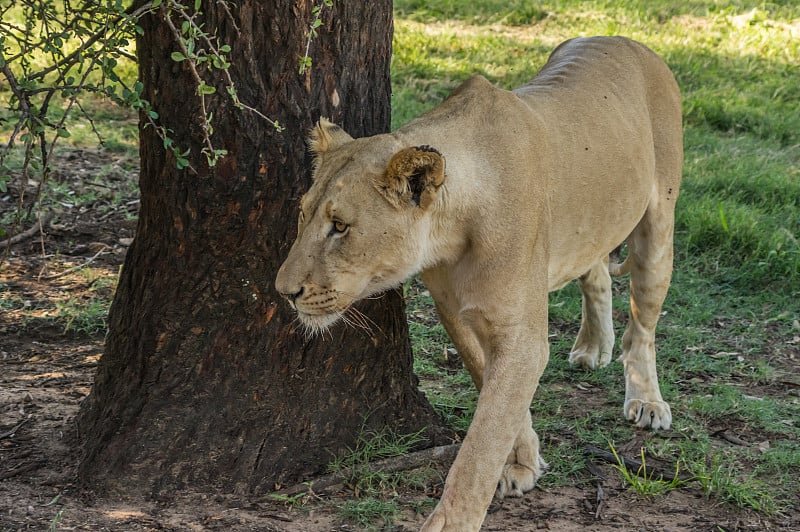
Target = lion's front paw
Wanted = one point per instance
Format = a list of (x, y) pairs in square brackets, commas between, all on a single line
[(653, 414), (517, 479)]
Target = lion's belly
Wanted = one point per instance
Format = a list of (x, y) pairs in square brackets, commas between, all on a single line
[(597, 200)]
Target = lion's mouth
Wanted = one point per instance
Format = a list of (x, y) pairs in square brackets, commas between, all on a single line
[(318, 310), (320, 320)]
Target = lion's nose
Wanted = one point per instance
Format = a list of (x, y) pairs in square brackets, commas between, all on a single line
[(293, 297)]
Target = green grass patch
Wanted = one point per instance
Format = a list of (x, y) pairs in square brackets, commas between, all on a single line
[(376, 502)]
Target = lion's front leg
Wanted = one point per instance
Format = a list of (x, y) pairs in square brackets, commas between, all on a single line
[(500, 428)]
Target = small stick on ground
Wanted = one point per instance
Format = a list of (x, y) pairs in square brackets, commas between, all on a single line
[(78, 267), (28, 233), (634, 466), (443, 455), (601, 498), (13, 431)]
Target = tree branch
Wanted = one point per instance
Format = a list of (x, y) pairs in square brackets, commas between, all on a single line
[(634, 466)]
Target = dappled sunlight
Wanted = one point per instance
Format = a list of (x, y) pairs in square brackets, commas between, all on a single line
[(41, 376), (124, 514), (62, 292)]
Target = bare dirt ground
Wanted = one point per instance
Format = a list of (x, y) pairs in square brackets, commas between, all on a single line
[(45, 372)]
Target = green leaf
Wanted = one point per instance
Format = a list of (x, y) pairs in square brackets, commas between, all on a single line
[(177, 57), (205, 89), (62, 132), (225, 48), (152, 114), (181, 163), (156, 3), (197, 4)]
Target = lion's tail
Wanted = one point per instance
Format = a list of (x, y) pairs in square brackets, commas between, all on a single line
[(615, 268)]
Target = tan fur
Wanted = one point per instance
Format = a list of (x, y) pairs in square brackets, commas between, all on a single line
[(496, 198)]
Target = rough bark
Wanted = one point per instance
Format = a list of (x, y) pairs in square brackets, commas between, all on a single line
[(206, 379)]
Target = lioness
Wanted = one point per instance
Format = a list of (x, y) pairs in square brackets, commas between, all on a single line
[(497, 198)]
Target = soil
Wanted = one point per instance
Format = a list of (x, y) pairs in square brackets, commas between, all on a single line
[(45, 372)]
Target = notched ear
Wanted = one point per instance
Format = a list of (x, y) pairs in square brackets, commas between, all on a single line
[(325, 136), (413, 177)]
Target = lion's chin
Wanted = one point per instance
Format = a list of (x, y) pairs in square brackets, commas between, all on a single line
[(317, 323)]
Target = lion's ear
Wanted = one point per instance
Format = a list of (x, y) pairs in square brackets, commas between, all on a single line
[(413, 177), (325, 136)]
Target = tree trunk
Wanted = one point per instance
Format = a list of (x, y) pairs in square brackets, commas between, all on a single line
[(206, 379)]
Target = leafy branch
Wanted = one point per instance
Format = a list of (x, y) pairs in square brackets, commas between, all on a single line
[(39, 72), (198, 49), (316, 22), (58, 52)]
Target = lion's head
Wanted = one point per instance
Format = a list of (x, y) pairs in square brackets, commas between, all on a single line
[(363, 223)]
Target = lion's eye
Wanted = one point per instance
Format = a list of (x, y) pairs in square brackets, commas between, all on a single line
[(339, 227)]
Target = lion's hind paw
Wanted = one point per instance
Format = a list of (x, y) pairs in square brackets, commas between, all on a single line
[(589, 357), (518, 479), (653, 414)]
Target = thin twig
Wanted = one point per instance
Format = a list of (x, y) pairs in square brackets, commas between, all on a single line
[(192, 68), (75, 268), (28, 233), (600, 499), (30, 466), (13, 431)]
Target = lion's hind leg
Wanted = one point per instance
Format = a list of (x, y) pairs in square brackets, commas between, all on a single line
[(524, 464), (595, 340), (650, 259)]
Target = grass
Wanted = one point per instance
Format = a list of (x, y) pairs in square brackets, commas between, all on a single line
[(644, 483), (722, 479), (376, 501), (78, 307)]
